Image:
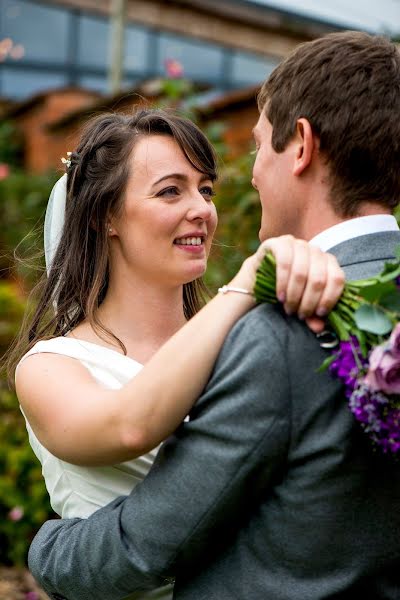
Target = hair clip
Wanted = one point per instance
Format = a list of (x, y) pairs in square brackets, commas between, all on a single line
[(67, 161)]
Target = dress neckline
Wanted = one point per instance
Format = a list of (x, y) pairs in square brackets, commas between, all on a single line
[(105, 348)]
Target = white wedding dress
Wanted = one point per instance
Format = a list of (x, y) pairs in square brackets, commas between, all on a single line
[(77, 491)]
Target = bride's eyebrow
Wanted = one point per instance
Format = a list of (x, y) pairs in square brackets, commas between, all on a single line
[(179, 176)]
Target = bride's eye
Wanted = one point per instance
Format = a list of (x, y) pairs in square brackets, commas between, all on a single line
[(169, 191), (207, 192)]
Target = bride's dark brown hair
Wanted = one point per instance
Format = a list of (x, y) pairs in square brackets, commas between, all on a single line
[(96, 182)]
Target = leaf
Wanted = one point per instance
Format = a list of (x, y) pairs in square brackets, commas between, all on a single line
[(361, 337), (339, 326), (391, 300), (326, 363), (390, 271), (374, 293), (373, 319)]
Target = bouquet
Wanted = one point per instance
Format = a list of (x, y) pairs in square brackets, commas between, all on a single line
[(364, 338)]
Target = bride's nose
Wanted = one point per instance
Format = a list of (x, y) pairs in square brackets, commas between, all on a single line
[(199, 208)]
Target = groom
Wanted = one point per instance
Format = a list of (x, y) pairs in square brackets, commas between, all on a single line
[(271, 491)]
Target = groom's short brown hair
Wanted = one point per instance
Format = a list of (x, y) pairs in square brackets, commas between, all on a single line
[(348, 87)]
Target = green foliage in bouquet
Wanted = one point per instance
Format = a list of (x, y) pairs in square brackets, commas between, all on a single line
[(365, 351), (367, 310), (397, 213)]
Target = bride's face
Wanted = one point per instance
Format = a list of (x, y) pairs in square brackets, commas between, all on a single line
[(165, 228)]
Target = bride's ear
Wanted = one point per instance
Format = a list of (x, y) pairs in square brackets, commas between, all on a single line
[(111, 226), (108, 226)]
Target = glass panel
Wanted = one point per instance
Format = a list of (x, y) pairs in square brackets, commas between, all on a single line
[(100, 84), (22, 83), (136, 49), (37, 32), (251, 68), (199, 60), (93, 82), (93, 42)]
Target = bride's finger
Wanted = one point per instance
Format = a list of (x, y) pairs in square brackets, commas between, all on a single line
[(298, 276), (316, 282), (334, 286), (282, 249)]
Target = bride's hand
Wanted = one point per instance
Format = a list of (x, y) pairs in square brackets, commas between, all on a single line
[(309, 282)]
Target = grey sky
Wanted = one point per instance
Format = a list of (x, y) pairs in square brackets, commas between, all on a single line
[(375, 16)]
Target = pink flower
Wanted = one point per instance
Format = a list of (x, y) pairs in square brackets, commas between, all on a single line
[(384, 370), (32, 596), (4, 171), (16, 513), (173, 68), (394, 341)]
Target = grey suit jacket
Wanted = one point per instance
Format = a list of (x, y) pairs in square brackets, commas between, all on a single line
[(269, 492)]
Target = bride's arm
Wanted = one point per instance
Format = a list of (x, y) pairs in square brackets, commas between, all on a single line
[(83, 423)]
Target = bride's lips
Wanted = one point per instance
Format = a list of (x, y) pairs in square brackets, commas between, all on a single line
[(193, 242)]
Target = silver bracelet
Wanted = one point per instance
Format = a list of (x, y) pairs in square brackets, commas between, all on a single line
[(226, 288)]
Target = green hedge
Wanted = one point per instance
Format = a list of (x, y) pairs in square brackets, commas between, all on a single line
[(23, 199), (24, 503), (239, 214)]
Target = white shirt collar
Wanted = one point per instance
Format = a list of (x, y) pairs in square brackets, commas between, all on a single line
[(353, 228)]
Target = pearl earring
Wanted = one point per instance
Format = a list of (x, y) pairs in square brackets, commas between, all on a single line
[(110, 230)]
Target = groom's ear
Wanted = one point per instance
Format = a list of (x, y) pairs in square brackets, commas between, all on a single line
[(306, 143)]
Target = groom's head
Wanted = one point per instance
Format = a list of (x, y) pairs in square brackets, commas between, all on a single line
[(329, 134)]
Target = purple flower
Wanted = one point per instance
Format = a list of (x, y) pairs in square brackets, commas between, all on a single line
[(348, 364), (373, 398), (394, 341), (384, 367), (378, 416)]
